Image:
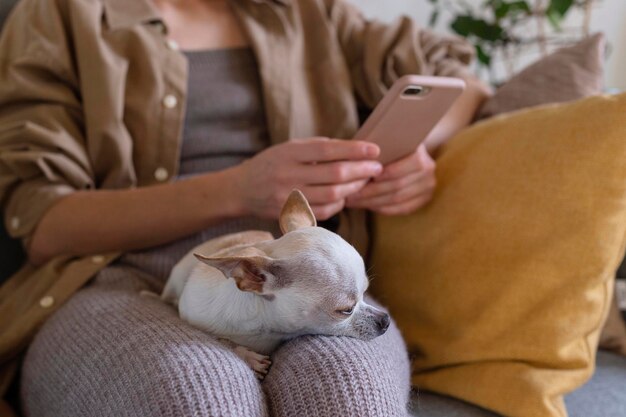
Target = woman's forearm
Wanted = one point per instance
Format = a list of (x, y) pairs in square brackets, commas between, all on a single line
[(88, 222), (460, 115)]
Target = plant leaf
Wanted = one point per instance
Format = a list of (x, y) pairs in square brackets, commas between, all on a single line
[(555, 20), (559, 7), (462, 25), (483, 57), (500, 9), (504, 9), (519, 6), (466, 25), (434, 16)]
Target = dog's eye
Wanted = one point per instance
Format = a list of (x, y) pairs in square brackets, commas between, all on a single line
[(346, 311)]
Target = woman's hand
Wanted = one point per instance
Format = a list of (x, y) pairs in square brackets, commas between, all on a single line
[(403, 187), (325, 170)]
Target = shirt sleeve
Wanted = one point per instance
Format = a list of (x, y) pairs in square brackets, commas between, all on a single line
[(379, 53), (42, 141)]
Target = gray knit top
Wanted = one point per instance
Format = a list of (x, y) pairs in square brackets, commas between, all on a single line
[(224, 125)]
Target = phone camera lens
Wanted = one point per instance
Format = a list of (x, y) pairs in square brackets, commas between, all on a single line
[(415, 91)]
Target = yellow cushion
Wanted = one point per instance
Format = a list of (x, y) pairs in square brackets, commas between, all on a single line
[(501, 284)]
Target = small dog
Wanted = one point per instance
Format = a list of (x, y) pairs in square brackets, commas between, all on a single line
[(255, 291)]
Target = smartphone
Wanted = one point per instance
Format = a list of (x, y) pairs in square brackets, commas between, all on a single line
[(408, 113)]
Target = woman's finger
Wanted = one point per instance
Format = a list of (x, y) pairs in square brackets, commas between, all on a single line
[(335, 172), (326, 194), (400, 168), (326, 150), (407, 207), (393, 198), (375, 189), (418, 161), (326, 211)]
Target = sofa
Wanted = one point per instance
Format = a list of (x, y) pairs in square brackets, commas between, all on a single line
[(602, 396)]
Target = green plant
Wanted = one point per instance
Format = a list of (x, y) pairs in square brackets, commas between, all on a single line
[(501, 26)]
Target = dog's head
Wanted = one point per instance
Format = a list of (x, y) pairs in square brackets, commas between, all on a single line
[(313, 279)]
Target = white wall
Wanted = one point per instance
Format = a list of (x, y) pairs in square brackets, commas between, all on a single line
[(609, 16)]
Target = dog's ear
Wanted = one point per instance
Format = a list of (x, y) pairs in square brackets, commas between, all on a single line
[(296, 213), (251, 273)]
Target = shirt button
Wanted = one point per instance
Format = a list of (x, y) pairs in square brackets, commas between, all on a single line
[(170, 101), (15, 223), (161, 174), (98, 259), (47, 301), (171, 44)]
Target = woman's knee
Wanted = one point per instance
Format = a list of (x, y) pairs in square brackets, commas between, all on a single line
[(133, 363), (341, 376)]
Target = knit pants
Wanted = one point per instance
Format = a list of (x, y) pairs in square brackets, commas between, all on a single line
[(111, 352)]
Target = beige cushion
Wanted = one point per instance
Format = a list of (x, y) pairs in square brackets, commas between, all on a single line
[(502, 283), (570, 73)]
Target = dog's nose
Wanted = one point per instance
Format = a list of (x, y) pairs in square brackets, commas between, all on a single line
[(383, 323)]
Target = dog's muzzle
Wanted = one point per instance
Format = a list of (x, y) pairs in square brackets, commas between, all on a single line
[(383, 322), (370, 323)]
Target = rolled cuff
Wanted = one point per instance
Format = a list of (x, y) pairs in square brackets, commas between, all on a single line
[(446, 55), (400, 48), (27, 205)]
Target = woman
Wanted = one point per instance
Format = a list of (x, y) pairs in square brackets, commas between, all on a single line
[(130, 131)]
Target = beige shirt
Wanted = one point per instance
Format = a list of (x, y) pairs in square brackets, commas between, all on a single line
[(92, 96)]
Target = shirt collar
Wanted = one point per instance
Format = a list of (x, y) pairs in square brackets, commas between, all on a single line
[(125, 13)]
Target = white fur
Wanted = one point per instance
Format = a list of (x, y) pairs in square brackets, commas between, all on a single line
[(320, 275), (215, 304)]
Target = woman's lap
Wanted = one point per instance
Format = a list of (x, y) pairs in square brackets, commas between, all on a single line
[(110, 351), (340, 376)]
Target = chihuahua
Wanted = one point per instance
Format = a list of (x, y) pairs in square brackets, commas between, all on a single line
[(254, 291)]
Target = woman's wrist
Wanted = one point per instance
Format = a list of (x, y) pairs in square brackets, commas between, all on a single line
[(460, 115), (226, 189)]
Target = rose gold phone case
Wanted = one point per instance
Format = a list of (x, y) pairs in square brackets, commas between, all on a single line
[(408, 112)]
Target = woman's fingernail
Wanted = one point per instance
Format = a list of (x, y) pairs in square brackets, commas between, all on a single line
[(372, 151), (377, 168)]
